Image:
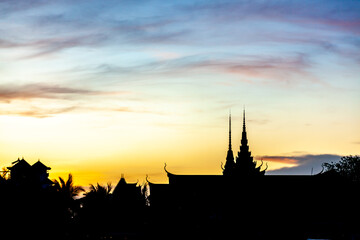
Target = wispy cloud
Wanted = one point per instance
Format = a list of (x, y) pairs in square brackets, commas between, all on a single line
[(37, 112), (7, 7), (46, 100), (344, 16), (88, 28), (263, 68), (12, 92), (45, 112), (289, 70), (304, 163), (136, 110), (45, 46), (188, 24)]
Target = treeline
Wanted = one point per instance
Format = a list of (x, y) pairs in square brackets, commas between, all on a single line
[(56, 212), (33, 207)]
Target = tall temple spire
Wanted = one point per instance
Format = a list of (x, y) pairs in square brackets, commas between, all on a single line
[(229, 164), (244, 128), (244, 140), (244, 165)]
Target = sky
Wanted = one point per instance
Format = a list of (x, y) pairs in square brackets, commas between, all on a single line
[(101, 88)]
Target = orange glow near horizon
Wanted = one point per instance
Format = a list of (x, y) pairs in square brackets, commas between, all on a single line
[(95, 153)]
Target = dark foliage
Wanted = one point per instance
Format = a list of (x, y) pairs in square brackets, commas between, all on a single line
[(348, 166)]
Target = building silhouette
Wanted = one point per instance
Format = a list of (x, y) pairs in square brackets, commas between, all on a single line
[(24, 174), (243, 202), (233, 171)]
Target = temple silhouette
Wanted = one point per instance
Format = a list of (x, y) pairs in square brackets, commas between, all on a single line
[(244, 165), (245, 203), (26, 175), (235, 171)]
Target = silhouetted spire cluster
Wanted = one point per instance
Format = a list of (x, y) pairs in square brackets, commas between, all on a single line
[(244, 165)]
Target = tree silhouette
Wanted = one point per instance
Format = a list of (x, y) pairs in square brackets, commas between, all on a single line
[(4, 174), (67, 189), (99, 192), (96, 209), (348, 166), (65, 192)]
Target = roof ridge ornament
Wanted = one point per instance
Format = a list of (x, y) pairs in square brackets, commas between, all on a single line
[(165, 168)]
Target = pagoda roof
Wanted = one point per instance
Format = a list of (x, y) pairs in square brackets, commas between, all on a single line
[(193, 179), (20, 164), (123, 185), (40, 165)]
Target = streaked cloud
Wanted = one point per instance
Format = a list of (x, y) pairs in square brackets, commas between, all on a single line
[(41, 100), (304, 163), (183, 23), (136, 110), (12, 92), (45, 46), (37, 112), (257, 69), (344, 15)]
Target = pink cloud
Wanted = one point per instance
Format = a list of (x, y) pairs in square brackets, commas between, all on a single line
[(41, 90)]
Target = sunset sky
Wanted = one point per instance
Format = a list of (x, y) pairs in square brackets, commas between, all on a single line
[(100, 88)]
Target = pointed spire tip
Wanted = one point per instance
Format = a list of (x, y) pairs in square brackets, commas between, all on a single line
[(230, 131)]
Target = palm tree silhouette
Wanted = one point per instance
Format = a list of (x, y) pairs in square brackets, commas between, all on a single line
[(99, 192), (67, 189), (96, 211)]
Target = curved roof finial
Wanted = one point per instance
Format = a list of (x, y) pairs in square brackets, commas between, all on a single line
[(147, 179), (165, 168), (262, 162)]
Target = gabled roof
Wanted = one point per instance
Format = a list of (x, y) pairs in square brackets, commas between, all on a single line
[(193, 179), (123, 186), (40, 166), (122, 182), (20, 165)]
